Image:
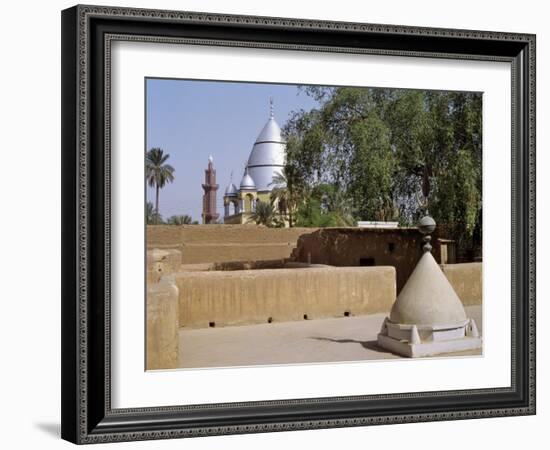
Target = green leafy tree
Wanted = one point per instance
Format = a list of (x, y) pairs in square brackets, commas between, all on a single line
[(324, 208), (335, 203), (310, 214), (286, 193), (264, 214), (371, 169), (183, 219), (149, 212), (458, 200), (151, 216), (158, 173), (383, 150)]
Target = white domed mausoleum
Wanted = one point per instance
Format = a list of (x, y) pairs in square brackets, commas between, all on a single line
[(266, 161)]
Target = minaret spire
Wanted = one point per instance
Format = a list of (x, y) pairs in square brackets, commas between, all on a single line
[(271, 114), (209, 214)]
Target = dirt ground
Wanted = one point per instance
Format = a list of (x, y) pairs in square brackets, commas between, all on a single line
[(308, 341)]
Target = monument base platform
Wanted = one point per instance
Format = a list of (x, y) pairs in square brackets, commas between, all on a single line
[(431, 348)]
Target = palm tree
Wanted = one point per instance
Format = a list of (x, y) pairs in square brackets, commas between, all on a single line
[(335, 203), (264, 214), (180, 220), (286, 194), (158, 173), (151, 216), (149, 213)]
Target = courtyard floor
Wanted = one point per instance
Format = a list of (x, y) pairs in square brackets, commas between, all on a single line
[(308, 341)]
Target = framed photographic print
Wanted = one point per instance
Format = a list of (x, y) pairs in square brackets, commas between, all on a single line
[(278, 224)]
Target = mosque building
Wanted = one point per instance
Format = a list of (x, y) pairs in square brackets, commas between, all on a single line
[(266, 161)]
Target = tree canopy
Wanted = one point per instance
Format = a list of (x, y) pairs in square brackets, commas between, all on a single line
[(181, 219), (379, 151), (264, 214)]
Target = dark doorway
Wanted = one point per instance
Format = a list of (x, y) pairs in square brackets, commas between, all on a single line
[(366, 261)]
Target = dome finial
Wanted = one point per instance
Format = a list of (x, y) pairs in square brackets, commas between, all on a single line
[(426, 226), (271, 114), (210, 158)]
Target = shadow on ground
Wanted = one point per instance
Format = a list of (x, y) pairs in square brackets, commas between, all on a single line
[(369, 345), (53, 429)]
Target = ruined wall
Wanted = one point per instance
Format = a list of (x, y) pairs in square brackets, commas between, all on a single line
[(261, 296), (162, 325), (400, 248), (162, 262), (222, 243), (467, 281)]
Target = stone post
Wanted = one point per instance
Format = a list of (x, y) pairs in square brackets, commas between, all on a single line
[(162, 325)]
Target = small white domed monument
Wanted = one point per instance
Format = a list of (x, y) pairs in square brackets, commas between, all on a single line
[(247, 183), (428, 318)]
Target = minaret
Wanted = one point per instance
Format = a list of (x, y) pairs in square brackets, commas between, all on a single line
[(209, 214)]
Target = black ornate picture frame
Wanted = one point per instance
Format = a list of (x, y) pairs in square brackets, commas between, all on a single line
[(87, 414)]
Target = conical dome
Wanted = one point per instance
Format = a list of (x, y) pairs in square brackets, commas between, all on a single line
[(271, 132), (267, 157), (427, 298), (247, 183), (231, 190)]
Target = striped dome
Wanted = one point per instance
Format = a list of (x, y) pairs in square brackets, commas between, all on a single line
[(267, 157)]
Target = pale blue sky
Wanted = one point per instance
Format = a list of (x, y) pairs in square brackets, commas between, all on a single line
[(192, 119)]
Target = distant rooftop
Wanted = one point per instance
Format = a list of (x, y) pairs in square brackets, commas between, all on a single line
[(375, 224)]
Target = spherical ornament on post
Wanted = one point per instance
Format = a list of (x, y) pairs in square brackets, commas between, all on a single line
[(426, 226)]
